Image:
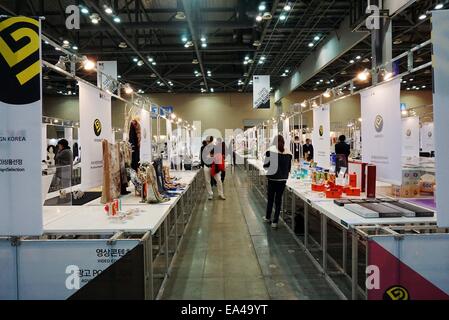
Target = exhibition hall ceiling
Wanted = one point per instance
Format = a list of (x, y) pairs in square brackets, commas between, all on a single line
[(211, 45)]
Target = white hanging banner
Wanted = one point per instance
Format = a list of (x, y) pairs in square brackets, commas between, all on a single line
[(440, 39), (274, 132), (95, 126), (44, 142), (410, 137), (321, 136), (427, 137), (286, 132), (107, 73), (261, 92), (381, 130), (20, 127), (68, 135), (145, 143), (169, 138)]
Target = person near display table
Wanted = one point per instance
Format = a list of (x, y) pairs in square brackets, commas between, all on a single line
[(278, 163), (342, 150)]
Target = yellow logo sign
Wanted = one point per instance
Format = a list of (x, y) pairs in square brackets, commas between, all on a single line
[(321, 131), (20, 60), (396, 293), (97, 127)]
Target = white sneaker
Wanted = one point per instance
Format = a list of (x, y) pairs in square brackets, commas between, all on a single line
[(266, 220), (222, 198), (274, 225), (211, 197)]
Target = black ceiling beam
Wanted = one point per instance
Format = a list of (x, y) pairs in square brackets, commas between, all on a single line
[(130, 44), (167, 25), (187, 4)]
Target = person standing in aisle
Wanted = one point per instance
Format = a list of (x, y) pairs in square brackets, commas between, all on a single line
[(204, 144), (296, 148), (64, 163), (342, 150), (278, 163), (308, 151), (221, 148), (208, 158)]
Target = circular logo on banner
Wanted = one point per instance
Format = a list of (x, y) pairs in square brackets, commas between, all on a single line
[(409, 133), (430, 134), (20, 65), (396, 293), (97, 127), (379, 123), (321, 131)]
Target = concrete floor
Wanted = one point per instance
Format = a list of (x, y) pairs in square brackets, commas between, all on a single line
[(229, 253)]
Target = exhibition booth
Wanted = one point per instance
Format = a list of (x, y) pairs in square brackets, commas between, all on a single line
[(108, 223), (375, 224)]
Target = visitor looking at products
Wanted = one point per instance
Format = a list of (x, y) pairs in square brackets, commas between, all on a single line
[(210, 169), (342, 150), (204, 144), (278, 162), (308, 151), (64, 163), (296, 148)]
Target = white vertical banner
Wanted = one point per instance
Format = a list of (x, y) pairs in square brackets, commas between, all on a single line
[(145, 143), (169, 137), (321, 136), (440, 39), (44, 142), (20, 127), (427, 137), (381, 130), (68, 135), (107, 73), (286, 132), (261, 92), (95, 126), (410, 137), (274, 132)]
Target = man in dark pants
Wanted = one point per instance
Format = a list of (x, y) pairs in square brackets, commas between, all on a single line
[(342, 150)]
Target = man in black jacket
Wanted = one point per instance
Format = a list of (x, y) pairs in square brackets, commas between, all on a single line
[(308, 151)]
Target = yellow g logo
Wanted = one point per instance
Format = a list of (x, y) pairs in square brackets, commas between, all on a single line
[(396, 293), (97, 127), (409, 133), (20, 64), (321, 131)]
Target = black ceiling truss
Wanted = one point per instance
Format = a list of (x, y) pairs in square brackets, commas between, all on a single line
[(153, 29)]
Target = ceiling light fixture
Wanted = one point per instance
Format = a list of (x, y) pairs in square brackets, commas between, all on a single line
[(267, 16), (423, 17), (351, 61), (327, 93), (262, 7), (128, 89), (257, 43), (95, 18), (311, 44), (204, 45), (108, 10), (317, 38), (259, 18), (439, 6), (304, 104), (61, 63), (88, 64), (180, 15), (75, 48), (388, 75), (288, 6), (203, 39), (282, 17), (84, 10), (123, 45), (117, 19), (140, 63), (363, 76)]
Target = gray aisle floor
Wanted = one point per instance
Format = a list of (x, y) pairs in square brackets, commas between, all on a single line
[(229, 253)]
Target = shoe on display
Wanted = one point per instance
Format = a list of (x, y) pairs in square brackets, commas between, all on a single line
[(266, 220), (274, 225)]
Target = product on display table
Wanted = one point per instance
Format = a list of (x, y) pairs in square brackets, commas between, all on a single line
[(383, 208), (111, 172)]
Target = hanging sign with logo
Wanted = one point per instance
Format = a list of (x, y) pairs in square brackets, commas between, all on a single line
[(427, 138), (381, 130), (145, 144), (261, 92), (95, 126), (321, 136), (410, 137), (107, 75), (20, 127)]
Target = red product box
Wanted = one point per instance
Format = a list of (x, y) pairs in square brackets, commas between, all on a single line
[(318, 187), (353, 192), (353, 180), (333, 194)]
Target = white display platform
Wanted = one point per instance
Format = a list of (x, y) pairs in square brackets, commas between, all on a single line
[(346, 218), (92, 218)]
